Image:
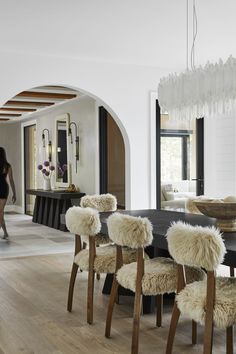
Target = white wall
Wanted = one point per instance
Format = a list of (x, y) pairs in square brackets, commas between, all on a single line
[(220, 156), (83, 112)]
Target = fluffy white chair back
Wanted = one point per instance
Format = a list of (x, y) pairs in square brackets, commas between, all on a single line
[(102, 202), (196, 245), (83, 221), (126, 230)]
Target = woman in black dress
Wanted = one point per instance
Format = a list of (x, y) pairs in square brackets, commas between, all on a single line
[(5, 171)]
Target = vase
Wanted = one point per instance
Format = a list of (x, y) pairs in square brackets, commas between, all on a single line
[(47, 184)]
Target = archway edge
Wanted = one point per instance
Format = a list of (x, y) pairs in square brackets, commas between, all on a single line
[(100, 102)]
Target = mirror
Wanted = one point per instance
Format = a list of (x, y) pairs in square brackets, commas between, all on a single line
[(62, 151)]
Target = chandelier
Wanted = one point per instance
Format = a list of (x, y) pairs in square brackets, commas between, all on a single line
[(203, 91)]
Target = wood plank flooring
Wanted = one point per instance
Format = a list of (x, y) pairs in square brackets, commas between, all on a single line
[(33, 316)]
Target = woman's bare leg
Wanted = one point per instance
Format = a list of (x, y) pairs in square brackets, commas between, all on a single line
[(5, 230), (2, 221)]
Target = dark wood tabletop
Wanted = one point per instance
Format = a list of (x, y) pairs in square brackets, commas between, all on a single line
[(162, 219)]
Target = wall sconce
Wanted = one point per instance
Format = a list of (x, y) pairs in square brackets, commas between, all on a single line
[(49, 144), (76, 141)]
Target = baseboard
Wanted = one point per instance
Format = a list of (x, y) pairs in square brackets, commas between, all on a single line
[(14, 208)]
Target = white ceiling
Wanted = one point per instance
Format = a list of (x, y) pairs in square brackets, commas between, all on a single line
[(144, 32)]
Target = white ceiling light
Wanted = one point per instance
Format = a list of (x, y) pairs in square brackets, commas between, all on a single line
[(202, 91)]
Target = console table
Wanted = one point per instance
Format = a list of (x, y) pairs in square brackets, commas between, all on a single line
[(49, 205)]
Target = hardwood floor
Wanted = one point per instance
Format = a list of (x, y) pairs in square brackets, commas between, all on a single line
[(33, 316)]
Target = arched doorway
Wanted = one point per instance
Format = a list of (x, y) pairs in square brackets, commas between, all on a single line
[(40, 106)]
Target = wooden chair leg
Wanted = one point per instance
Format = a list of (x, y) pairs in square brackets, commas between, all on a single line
[(117, 297), (208, 336), (159, 303), (194, 332), (172, 330), (229, 340), (98, 276), (232, 272), (71, 286), (112, 300), (136, 322), (90, 296)]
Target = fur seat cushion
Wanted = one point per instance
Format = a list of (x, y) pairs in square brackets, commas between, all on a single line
[(191, 302), (160, 276), (100, 239), (105, 260)]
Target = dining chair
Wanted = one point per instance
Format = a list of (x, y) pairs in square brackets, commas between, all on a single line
[(211, 302), (102, 203), (86, 221), (153, 277), (191, 207)]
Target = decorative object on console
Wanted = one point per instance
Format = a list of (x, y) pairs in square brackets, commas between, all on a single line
[(76, 142), (72, 188), (47, 171), (49, 144)]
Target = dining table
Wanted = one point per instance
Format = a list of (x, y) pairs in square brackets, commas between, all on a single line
[(161, 220)]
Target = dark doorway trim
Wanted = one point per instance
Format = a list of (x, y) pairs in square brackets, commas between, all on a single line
[(158, 155), (25, 167), (200, 156), (103, 172)]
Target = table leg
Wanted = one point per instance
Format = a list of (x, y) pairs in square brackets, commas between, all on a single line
[(51, 213), (36, 209), (46, 211), (41, 208)]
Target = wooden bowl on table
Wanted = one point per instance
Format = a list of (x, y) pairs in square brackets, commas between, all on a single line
[(223, 211)]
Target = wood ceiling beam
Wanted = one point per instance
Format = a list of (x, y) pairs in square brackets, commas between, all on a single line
[(18, 109), (9, 115), (28, 103), (49, 95)]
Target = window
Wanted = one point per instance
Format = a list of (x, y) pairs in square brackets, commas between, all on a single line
[(175, 153)]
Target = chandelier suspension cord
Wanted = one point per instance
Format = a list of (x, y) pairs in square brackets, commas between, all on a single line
[(195, 29), (187, 34)]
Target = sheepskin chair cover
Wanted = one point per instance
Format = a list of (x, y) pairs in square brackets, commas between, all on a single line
[(126, 230), (83, 221), (196, 245), (160, 276), (191, 302), (105, 260), (102, 203)]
